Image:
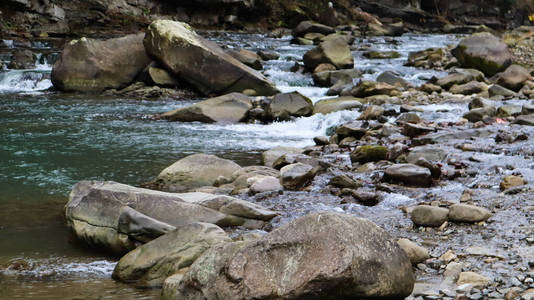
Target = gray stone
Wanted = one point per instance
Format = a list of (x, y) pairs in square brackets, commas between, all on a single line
[(409, 174), (296, 176), (426, 215), (468, 213)]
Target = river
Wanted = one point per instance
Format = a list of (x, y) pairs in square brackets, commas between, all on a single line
[(49, 141)]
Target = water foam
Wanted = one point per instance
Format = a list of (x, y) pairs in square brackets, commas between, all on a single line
[(58, 267)]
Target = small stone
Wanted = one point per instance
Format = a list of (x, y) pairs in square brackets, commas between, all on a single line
[(468, 213), (512, 181), (476, 280), (448, 256), (321, 140), (416, 253), (425, 215), (296, 176)]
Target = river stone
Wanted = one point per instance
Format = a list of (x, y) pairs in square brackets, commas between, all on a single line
[(408, 117), (460, 76), (333, 51), (478, 114), (472, 87), (268, 55), (287, 105), (310, 26), (116, 217), (372, 112), (468, 213), (351, 129), (430, 154), (381, 54), (513, 77), (270, 156), (475, 280), (201, 63), (149, 264), (296, 176), (261, 184), (368, 153), (413, 130), (525, 120), (334, 77), (366, 88), (416, 253), (318, 256), (409, 174), (231, 108), (290, 158), (393, 78), (344, 181), (90, 65), (483, 51), (247, 57), (497, 90), (426, 215), (509, 111), (511, 181), (22, 59), (161, 77), (195, 171), (327, 106)]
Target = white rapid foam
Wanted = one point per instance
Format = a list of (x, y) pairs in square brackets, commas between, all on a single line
[(57, 267), (14, 81)]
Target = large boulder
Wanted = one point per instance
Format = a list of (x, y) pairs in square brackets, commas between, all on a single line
[(513, 77), (231, 108), (117, 217), (201, 63), (287, 105), (90, 65), (194, 171), (318, 256), (483, 51), (149, 264), (333, 51)]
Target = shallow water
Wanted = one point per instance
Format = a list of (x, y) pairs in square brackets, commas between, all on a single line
[(50, 141)]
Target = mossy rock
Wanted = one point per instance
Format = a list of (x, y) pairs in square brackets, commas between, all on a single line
[(369, 153)]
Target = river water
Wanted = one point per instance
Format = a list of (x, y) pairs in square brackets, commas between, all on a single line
[(49, 141)]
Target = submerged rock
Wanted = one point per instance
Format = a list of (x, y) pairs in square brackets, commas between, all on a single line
[(322, 256), (201, 63), (483, 51), (149, 264), (231, 108), (90, 65), (194, 171)]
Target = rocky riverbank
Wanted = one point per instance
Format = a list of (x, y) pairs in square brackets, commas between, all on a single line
[(450, 195)]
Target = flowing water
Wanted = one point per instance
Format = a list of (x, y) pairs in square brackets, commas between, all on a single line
[(49, 141)]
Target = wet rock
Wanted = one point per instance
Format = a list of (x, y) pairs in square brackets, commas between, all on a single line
[(393, 78), (474, 279), (430, 88), (459, 77), (525, 120), (332, 77), (321, 140), (368, 153), (372, 112), (511, 181), (231, 108), (409, 174), (90, 65), (473, 87), (161, 77), (239, 178), (268, 55), (434, 168), (409, 117), (176, 46), (426, 215), (509, 111), (483, 51), (381, 54), (327, 106), (527, 109), (344, 181), (22, 59), (323, 68), (478, 114), (416, 253), (513, 77), (478, 102), (287, 105), (430, 58), (333, 51), (413, 130), (247, 57), (497, 90), (468, 213), (288, 159), (331, 256), (195, 171), (430, 154), (149, 264), (116, 217), (395, 29), (270, 156), (370, 88), (310, 26), (351, 129), (296, 176), (262, 184)]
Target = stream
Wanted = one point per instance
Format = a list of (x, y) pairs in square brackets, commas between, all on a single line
[(50, 141)]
